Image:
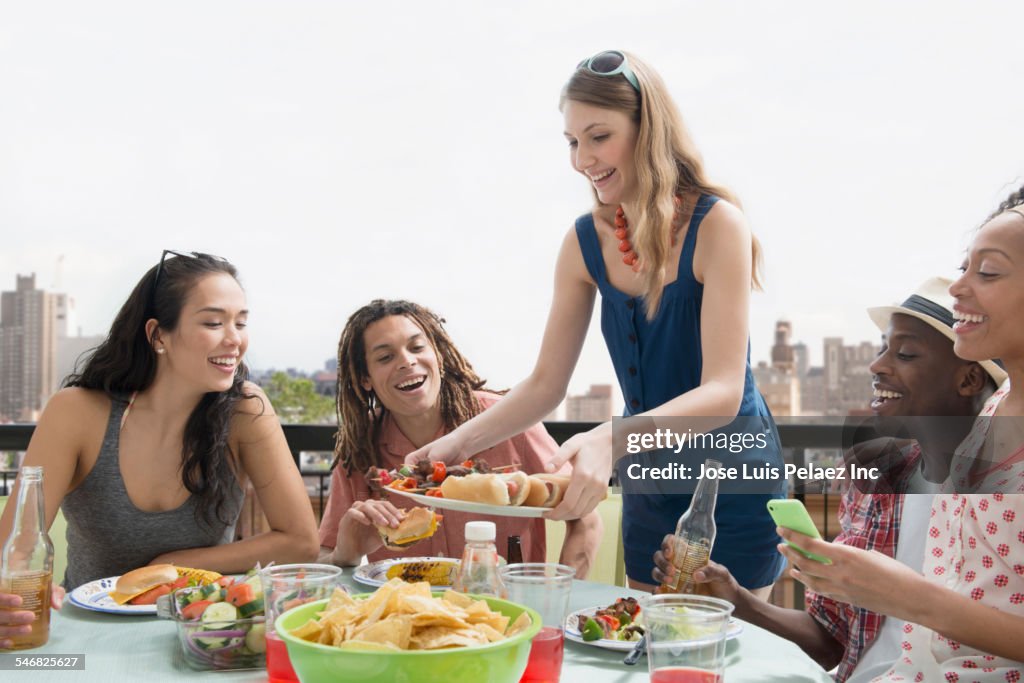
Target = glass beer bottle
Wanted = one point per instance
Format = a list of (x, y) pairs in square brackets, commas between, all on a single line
[(27, 561), (515, 550), (695, 536)]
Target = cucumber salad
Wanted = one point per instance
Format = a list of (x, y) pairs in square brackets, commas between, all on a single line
[(221, 626)]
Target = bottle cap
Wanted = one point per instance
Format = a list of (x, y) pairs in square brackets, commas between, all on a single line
[(32, 472), (480, 531)]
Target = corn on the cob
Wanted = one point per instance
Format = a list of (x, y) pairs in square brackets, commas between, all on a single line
[(435, 573), (202, 577)]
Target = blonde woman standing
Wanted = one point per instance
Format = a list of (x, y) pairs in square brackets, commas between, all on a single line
[(674, 262)]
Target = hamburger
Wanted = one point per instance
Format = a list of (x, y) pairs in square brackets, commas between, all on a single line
[(144, 585), (415, 525)]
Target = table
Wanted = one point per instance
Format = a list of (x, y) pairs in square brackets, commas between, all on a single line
[(132, 648)]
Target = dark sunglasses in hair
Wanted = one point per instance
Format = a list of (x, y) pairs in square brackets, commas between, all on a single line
[(610, 63), (160, 269)]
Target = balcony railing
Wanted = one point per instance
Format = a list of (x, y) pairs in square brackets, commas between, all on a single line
[(797, 439)]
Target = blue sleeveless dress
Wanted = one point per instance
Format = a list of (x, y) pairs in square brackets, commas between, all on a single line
[(655, 361)]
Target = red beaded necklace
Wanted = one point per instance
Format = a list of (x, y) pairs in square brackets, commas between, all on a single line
[(629, 257)]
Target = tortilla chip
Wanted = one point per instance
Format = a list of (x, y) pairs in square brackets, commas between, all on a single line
[(308, 631), (445, 620), (489, 633), (436, 638), (457, 599), (480, 613), (395, 630), (416, 604), (522, 622), (339, 599)]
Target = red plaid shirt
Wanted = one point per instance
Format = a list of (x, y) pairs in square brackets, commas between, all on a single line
[(870, 521)]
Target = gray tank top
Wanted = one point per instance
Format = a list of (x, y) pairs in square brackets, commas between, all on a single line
[(108, 536)]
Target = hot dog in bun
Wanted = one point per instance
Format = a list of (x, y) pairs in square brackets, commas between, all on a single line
[(546, 490), (416, 524), (490, 489)]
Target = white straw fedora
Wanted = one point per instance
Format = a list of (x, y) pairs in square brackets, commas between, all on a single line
[(933, 305)]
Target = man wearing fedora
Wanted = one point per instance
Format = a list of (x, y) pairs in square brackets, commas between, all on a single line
[(920, 384), (916, 375)]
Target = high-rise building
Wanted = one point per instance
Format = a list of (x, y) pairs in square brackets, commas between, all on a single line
[(782, 350), (67, 317), (778, 382), (801, 359), (72, 348), (28, 349), (780, 388), (842, 386), (593, 406)]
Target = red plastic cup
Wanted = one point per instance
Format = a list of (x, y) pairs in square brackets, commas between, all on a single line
[(286, 586), (545, 663), (544, 587), (685, 637), (279, 667)]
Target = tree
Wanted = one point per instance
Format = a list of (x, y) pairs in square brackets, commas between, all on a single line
[(296, 401)]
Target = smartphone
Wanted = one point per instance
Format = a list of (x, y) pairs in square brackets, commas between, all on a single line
[(791, 514)]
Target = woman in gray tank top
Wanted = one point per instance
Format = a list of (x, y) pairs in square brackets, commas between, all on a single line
[(149, 447)]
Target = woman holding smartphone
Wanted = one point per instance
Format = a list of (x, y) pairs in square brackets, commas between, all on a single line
[(966, 611)]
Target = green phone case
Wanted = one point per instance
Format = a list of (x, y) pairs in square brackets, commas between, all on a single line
[(791, 514)]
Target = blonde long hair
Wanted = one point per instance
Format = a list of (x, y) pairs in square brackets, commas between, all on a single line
[(667, 164)]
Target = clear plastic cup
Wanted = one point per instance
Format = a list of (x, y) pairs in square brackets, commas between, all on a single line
[(286, 586), (685, 637), (544, 587)]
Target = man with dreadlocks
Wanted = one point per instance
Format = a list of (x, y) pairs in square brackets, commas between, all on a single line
[(402, 384)]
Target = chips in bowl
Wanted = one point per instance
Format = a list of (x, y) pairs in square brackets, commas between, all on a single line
[(405, 634), (406, 616)]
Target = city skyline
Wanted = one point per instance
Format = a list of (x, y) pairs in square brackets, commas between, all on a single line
[(436, 170), (786, 379)]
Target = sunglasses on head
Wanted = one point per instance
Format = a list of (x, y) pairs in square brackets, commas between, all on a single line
[(160, 268), (610, 63)]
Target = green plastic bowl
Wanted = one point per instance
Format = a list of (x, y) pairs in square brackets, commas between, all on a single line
[(501, 662)]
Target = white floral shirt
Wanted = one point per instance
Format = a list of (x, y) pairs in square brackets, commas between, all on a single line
[(1005, 477), (975, 548)]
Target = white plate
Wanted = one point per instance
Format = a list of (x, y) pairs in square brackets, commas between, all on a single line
[(95, 596), (478, 508), (376, 573), (572, 633)]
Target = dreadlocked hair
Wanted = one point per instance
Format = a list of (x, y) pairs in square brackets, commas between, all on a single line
[(361, 414), (1015, 199)]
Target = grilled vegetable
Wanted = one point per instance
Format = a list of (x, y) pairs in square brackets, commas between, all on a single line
[(435, 573), (591, 630)]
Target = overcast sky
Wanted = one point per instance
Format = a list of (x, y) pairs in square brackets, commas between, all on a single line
[(338, 152)]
